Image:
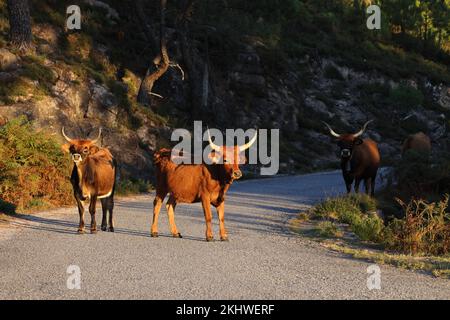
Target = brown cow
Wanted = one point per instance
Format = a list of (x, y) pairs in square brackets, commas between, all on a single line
[(93, 177), (419, 142), (360, 159), (190, 183)]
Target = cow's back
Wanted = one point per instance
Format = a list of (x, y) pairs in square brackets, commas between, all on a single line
[(366, 159)]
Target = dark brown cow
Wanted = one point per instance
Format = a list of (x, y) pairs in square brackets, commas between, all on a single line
[(418, 142), (189, 183), (360, 159), (93, 177)]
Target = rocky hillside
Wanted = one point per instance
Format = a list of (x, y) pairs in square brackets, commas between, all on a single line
[(90, 78)]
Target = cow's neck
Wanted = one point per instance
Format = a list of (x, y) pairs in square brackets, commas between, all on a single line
[(81, 167), (346, 164)]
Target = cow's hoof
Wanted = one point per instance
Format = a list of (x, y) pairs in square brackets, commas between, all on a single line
[(103, 228), (209, 239), (224, 239), (177, 235), (154, 234), (93, 231), (80, 231), (111, 229)]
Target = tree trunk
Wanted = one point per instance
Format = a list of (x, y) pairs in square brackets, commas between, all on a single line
[(20, 24), (161, 62)]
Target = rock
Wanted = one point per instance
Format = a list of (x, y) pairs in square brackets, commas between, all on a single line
[(444, 97), (316, 105), (103, 104), (8, 60), (244, 82)]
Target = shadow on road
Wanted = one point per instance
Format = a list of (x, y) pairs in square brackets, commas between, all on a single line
[(68, 227)]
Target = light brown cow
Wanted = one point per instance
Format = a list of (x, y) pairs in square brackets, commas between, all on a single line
[(205, 183), (93, 177), (419, 142)]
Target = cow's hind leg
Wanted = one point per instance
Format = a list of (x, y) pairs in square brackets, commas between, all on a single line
[(372, 185), (81, 214), (92, 212), (171, 203), (367, 183), (104, 213), (108, 206), (357, 182), (110, 209), (208, 217), (157, 203), (221, 213)]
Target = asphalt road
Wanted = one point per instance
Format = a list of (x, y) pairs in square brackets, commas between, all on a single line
[(262, 260)]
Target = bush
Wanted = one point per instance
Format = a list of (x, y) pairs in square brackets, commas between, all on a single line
[(328, 229), (356, 210), (133, 186), (33, 170), (369, 228), (425, 228), (406, 97)]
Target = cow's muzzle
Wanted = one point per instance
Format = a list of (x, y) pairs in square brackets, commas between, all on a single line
[(76, 157), (237, 174), (346, 153)]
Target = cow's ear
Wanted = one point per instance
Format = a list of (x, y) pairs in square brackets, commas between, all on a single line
[(214, 157), (93, 149), (357, 141), (66, 147)]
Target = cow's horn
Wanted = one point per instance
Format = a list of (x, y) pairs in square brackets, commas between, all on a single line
[(360, 132), (249, 144), (65, 136), (334, 134), (213, 146), (99, 135)]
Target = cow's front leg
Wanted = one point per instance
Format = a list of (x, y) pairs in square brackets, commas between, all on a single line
[(171, 203), (160, 195), (208, 217), (81, 214), (92, 212), (221, 213)]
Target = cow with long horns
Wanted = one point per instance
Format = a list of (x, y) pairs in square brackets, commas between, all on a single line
[(93, 177), (360, 159), (190, 183)]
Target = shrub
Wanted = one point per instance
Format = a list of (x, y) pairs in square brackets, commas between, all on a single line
[(369, 228), (133, 186), (33, 170), (356, 210), (425, 228), (328, 229), (406, 97)]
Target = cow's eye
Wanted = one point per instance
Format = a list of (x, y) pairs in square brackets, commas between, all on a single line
[(86, 151)]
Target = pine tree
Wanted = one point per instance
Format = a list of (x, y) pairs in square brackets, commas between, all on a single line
[(20, 24)]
